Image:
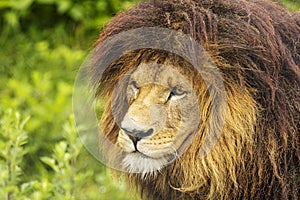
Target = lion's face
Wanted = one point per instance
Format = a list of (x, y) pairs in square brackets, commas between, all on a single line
[(161, 118)]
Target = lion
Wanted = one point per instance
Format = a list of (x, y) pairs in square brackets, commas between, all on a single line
[(159, 108)]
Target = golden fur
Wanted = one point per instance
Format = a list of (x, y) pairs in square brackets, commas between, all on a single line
[(255, 45), (160, 100)]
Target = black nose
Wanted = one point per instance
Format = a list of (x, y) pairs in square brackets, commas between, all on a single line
[(136, 135)]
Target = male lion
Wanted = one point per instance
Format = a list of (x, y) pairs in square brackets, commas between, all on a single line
[(160, 108)]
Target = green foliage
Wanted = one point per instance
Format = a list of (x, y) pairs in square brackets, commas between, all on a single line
[(37, 72), (87, 12), (12, 140), (66, 176), (35, 83), (293, 5)]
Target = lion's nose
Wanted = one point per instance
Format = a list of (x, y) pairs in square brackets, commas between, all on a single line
[(135, 132), (131, 128), (136, 135)]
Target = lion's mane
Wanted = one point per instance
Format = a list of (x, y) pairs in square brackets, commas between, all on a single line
[(256, 46)]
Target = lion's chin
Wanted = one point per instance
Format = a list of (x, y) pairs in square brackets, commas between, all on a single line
[(139, 163)]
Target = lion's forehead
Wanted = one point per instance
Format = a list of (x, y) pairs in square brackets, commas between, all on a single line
[(165, 75), (153, 93)]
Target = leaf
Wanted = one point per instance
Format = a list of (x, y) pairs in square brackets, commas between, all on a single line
[(12, 19), (63, 6), (60, 150), (50, 162), (21, 4), (24, 122), (25, 187)]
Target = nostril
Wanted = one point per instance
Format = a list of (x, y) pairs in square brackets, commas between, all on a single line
[(148, 133)]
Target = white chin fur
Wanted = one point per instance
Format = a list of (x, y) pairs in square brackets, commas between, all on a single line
[(138, 163)]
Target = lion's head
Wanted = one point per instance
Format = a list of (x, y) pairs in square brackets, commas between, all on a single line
[(159, 110), (161, 118)]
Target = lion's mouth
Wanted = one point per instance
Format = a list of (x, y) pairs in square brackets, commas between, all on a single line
[(168, 154), (143, 149), (137, 162), (168, 157)]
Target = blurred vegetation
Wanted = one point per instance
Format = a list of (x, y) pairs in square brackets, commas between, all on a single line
[(43, 43), (293, 5)]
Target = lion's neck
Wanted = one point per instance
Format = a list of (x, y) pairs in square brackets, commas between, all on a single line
[(170, 183)]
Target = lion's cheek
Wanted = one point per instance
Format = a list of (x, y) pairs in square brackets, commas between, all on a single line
[(156, 148)]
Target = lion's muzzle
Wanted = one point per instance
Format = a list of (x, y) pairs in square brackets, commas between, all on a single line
[(135, 132)]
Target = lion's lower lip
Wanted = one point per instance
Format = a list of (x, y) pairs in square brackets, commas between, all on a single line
[(168, 157)]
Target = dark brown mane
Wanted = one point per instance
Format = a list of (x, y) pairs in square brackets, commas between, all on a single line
[(256, 45)]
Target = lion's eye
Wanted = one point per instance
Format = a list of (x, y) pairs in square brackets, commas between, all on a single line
[(135, 85), (176, 93)]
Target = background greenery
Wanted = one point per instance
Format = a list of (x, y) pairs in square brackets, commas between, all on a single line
[(42, 44)]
